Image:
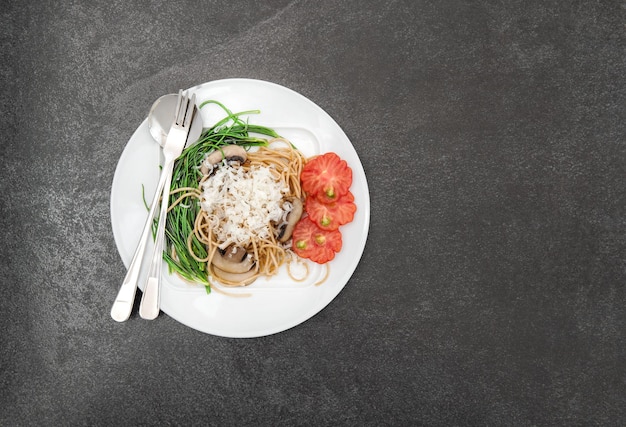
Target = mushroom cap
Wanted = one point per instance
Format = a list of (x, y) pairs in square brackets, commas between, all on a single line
[(235, 260), (230, 153)]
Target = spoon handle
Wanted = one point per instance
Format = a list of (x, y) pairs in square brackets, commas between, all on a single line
[(123, 305), (150, 300)]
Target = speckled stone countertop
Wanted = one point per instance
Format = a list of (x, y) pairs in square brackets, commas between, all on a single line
[(491, 288)]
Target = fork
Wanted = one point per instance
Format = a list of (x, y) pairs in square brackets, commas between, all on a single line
[(176, 140), (123, 304)]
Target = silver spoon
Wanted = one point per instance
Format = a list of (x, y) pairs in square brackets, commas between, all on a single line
[(160, 119)]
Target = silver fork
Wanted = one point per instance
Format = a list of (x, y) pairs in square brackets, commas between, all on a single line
[(176, 140), (174, 145)]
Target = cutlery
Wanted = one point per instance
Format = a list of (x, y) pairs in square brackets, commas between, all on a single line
[(176, 140), (123, 304), (162, 115)]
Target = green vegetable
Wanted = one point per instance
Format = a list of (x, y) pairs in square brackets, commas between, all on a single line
[(232, 129)]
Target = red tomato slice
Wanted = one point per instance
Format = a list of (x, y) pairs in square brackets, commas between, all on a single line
[(326, 176), (329, 216), (313, 243)]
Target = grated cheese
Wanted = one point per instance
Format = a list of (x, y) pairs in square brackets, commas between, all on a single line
[(241, 204)]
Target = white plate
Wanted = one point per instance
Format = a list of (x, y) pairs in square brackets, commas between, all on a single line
[(267, 306)]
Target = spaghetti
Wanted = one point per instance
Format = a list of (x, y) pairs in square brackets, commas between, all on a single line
[(232, 223)]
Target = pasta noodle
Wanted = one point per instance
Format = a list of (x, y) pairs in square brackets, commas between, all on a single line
[(285, 164)]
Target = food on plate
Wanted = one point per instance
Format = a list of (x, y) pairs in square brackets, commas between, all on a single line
[(314, 243), (326, 181), (244, 202), (331, 215), (327, 176), (245, 208)]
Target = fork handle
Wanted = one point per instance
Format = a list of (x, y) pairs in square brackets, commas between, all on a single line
[(123, 305), (150, 301)]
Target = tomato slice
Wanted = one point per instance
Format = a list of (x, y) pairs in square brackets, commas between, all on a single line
[(326, 176), (329, 216), (313, 243)]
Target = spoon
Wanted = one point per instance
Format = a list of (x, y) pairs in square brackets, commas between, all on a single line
[(160, 120)]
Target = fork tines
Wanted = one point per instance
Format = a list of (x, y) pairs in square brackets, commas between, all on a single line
[(184, 109)]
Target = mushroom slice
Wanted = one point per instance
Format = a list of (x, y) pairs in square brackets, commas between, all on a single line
[(292, 219), (234, 253), (234, 260), (242, 278), (230, 153)]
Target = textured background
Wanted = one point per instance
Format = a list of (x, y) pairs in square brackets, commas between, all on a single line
[(491, 290)]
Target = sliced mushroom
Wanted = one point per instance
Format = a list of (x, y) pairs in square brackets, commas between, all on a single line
[(234, 253), (292, 219), (234, 260), (241, 278), (230, 153)]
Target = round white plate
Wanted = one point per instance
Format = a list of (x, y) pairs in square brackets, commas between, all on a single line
[(270, 305)]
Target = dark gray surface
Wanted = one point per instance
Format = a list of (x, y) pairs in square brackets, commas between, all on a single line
[(491, 290)]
